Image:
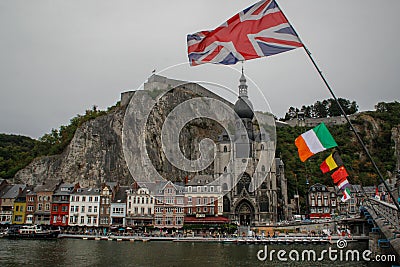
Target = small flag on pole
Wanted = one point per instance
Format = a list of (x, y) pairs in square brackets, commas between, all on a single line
[(260, 30), (343, 184), (314, 141), (346, 195), (339, 175), (331, 162)]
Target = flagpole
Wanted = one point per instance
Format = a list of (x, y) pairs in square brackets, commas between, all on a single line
[(344, 113)]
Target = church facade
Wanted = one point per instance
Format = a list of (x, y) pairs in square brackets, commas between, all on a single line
[(252, 179)]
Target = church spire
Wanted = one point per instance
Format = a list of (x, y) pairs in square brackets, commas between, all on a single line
[(243, 85)]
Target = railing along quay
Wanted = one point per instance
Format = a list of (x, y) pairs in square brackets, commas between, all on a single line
[(386, 218)]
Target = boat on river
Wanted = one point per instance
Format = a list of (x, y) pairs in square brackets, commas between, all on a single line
[(31, 232)]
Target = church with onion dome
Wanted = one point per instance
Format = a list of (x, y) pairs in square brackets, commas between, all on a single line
[(252, 179)]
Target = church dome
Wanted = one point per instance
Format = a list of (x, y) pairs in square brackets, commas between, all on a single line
[(244, 108)]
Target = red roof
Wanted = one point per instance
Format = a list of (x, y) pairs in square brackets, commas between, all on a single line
[(206, 220)]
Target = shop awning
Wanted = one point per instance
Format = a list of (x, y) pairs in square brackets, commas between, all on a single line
[(319, 215), (206, 220)]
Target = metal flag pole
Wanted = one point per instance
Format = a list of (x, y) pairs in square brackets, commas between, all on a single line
[(344, 113)]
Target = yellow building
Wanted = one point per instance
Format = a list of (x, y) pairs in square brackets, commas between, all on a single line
[(19, 208)]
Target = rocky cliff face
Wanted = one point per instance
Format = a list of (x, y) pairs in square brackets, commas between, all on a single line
[(93, 156), (96, 154)]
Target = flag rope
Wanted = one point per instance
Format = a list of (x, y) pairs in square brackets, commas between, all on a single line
[(343, 112)]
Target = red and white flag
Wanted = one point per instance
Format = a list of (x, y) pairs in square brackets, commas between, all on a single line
[(258, 31)]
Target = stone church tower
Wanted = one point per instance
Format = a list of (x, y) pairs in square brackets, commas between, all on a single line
[(252, 179)]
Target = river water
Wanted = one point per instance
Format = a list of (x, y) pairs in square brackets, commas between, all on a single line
[(74, 252)]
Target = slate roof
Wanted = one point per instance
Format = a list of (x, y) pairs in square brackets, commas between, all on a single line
[(120, 195), (49, 186), (61, 189), (87, 191), (13, 191)]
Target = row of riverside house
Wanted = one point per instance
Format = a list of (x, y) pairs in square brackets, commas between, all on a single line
[(161, 205)]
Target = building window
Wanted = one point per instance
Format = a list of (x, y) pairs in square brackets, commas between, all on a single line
[(40, 206), (96, 199), (82, 220), (225, 149), (55, 208), (95, 209)]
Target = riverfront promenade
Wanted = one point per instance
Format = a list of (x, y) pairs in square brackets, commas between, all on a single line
[(293, 239)]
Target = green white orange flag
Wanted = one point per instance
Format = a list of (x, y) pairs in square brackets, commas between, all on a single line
[(331, 162), (314, 141), (346, 195)]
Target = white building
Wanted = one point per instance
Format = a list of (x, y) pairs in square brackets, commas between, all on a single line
[(84, 207), (118, 206), (140, 207)]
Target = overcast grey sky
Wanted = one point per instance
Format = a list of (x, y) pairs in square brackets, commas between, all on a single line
[(58, 58)]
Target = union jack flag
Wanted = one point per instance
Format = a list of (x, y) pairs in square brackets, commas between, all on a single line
[(259, 30)]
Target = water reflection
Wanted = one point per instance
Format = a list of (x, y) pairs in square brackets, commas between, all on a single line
[(70, 252)]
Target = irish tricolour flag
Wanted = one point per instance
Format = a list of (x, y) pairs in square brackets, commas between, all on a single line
[(314, 141)]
